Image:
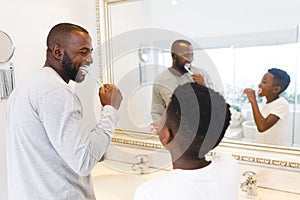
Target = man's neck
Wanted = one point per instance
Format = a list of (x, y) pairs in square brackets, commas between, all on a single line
[(60, 72), (176, 71)]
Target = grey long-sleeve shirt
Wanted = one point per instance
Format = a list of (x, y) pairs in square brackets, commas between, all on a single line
[(50, 152)]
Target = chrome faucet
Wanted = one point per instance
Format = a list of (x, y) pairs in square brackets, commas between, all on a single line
[(249, 186), (142, 165)]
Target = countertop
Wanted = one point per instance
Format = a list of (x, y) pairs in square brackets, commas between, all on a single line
[(124, 181)]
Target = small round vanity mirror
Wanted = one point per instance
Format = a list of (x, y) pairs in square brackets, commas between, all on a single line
[(144, 53), (6, 48)]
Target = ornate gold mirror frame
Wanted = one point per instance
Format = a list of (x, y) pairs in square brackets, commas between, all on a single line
[(251, 153)]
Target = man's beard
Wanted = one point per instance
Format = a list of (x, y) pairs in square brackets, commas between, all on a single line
[(179, 66), (71, 69)]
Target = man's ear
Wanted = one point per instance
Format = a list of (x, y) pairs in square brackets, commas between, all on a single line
[(57, 52), (173, 55)]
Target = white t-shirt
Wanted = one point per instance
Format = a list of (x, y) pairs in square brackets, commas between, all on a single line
[(218, 181), (279, 133)]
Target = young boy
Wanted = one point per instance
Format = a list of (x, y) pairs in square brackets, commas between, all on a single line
[(273, 120), (194, 123)]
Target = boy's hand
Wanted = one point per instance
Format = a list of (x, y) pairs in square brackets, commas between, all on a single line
[(154, 127), (250, 93)]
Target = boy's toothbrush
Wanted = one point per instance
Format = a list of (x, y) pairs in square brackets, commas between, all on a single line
[(186, 67), (259, 90)]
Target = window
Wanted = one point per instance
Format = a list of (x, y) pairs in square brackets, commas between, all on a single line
[(244, 67), (240, 68)]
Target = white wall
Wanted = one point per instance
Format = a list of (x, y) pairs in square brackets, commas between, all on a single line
[(28, 23), (3, 168), (204, 18)]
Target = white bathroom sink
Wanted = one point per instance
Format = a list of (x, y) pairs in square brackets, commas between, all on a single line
[(249, 130), (116, 187), (115, 180), (270, 194)]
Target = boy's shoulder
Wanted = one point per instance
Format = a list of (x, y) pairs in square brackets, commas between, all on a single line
[(280, 100)]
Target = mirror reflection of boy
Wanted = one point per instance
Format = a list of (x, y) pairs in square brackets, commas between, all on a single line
[(194, 123), (272, 120)]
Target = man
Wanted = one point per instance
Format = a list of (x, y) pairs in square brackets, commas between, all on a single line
[(194, 123), (50, 153), (167, 81)]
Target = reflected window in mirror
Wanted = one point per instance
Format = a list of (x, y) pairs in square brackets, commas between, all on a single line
[(244, 67), (241, 68)]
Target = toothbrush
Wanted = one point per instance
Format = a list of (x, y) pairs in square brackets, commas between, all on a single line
[(186, 67), (258, 91), (97, 80), (88, 72)]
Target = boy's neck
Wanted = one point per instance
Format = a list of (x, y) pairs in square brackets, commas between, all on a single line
[(272, 98), (190, 164)]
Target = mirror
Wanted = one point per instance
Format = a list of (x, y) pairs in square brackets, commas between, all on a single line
[(157, 23), (7, 48), (7, 78)]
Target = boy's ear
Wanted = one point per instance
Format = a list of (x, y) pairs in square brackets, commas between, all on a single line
[(277, 89), (165, 136)]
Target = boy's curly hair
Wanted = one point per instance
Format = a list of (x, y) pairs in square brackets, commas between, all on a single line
[(281, 78)]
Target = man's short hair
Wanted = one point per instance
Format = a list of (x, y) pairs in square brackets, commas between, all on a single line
[(60, 32), (175, 45), (197, 118)]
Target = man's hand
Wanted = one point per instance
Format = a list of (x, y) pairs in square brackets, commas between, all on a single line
[(110, 95), (199, 78)]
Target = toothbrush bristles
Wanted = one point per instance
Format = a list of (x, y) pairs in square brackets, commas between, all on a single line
[(187, 69)]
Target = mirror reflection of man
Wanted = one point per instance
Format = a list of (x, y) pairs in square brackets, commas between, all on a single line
[(166, 82)]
